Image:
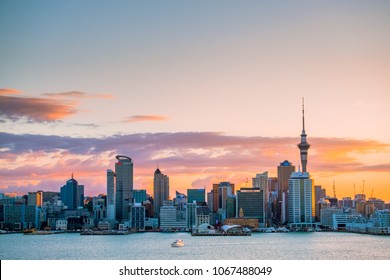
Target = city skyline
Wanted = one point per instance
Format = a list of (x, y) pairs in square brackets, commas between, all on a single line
[(208, 92)]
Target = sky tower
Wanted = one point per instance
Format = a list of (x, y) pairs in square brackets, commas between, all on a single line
[(303, 146)]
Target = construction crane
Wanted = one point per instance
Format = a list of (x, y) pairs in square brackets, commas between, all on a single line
[(334, 189)]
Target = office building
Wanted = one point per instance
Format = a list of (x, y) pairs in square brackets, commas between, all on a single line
[(160, 191), (110, 195), (217, 194), (139, 196), (124, 187), (300, 201), (284, 172), (72, 194), (250, 204), (196, 194), (137, 217)]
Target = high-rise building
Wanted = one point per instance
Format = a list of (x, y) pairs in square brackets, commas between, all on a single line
[(284, 172), (137, 217), (124, 187), (216, 196), (139, 196), (250, 204), (160, 191), (300, 200), (196, 194), (72, 194), (110, 195), (261, 182), (319, 194), (303, 146)]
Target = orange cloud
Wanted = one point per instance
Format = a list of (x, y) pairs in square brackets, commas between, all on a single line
[(35, 109), (6, 91), (145, 118)]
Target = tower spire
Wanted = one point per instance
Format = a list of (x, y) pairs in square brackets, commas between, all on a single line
[(303, 114), (303, 146)]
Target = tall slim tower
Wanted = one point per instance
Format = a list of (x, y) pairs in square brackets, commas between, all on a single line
[(111, 195), (160, 191), (303, 146), (124, 187)]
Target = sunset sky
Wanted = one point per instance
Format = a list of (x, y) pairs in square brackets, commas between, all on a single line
[(208, 90)]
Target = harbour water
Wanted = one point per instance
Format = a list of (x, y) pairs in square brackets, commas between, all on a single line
[(157, 246)]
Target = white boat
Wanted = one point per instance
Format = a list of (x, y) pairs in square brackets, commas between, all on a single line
[(178, 243)]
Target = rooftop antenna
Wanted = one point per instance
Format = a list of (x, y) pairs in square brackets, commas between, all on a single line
[(246, 183), (363, 187), (354, 190)]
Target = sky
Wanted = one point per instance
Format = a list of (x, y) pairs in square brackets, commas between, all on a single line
[(209, 91)]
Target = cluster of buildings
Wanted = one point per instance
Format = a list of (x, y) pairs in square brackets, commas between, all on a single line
[(290, 199)]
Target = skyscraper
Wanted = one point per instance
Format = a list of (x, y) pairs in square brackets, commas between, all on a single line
[(160, 191), (72, 194), (300, 200), (110, 195), (250, 202), (284, 172), (124, 187), (303, 146)]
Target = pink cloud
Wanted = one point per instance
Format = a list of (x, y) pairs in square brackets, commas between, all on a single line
[(78, 95), (145, 118)]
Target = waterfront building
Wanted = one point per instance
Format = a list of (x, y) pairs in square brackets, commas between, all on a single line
[(202, 214), (139, 196), (337, 218), (151, 223), (61, 224), (284, 172), (99, 209), (124, 187), (137, 217), (160, 191), (169, 219), (72, 194), (20, 217), (244, 222), (196, 194), (378, 223), (191, 215), (250, 204), (301, 209), (111, 195)]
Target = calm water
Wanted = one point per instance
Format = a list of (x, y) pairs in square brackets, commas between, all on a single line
[(156, 246)]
